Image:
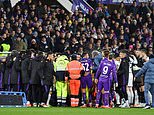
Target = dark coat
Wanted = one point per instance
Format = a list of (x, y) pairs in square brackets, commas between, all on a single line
[(16, 71), (8, 69), (2, 68), (48, 72), (25, 73), (123, 72), (36, 71)]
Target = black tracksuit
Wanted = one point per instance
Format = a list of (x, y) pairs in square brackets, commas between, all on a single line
[(123, 74), (48, 72)]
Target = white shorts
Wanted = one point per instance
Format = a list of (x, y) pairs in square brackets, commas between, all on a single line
[(130, 79)]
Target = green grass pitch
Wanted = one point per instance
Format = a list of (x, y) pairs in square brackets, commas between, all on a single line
[(74, 111)]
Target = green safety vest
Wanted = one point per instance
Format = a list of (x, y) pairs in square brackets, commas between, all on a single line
[(61, 63), (6, 48)]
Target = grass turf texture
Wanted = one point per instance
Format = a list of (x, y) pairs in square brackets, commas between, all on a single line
[(74, 111)]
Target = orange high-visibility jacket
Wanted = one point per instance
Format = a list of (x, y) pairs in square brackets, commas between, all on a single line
[(74, 68)]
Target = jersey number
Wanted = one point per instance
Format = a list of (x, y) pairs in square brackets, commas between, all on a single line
[(86, 66), (105, 69)]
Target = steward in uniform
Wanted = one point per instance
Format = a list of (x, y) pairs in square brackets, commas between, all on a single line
[(74, 71), (61, 85)]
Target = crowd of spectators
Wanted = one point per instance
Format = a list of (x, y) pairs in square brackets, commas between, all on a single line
[(34, 25)]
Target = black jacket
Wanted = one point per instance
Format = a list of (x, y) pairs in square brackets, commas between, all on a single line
[(36, 71), (25, 73), (16, 71), (48, 72), (8, 69), (123, 72), (2, 68)]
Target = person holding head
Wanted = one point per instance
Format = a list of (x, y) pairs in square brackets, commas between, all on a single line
[(129, 88)]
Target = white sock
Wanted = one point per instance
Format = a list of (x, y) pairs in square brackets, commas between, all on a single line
[(136, 98), (132, 97), (150, 97), (118, 98), (129, 97)]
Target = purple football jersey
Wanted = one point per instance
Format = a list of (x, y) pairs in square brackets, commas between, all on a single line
[(105, 69), (87, 64)]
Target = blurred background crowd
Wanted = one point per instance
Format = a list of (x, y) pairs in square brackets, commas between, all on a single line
[(36, 25)]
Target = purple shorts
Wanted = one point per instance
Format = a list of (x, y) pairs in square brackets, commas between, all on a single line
[(86, 81), (104, 84)]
